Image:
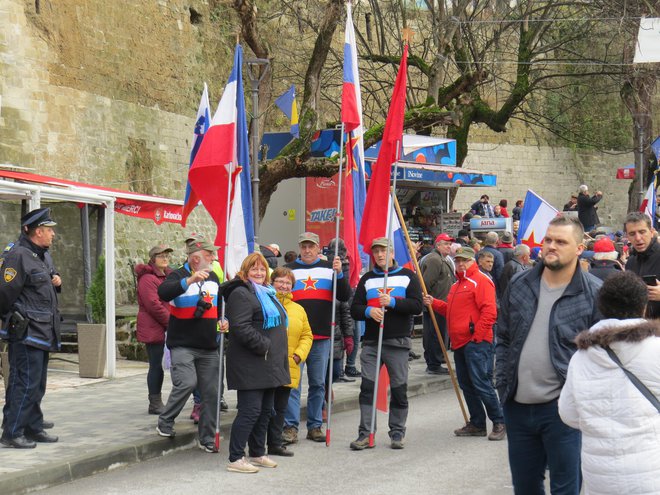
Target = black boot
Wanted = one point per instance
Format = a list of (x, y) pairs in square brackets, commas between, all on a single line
[(156, 405)]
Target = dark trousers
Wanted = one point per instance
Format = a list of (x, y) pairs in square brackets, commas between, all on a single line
[(251, 423), (538, 439), (276, 422), (474, 371), (432, 350), (155, 374), (27, 387)]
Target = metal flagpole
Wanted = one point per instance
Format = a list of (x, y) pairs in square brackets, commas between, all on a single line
[(381, 327), (222, 317), (431, 312), (333, 323)]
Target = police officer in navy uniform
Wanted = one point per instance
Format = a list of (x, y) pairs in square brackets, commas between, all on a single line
[(30, 322)]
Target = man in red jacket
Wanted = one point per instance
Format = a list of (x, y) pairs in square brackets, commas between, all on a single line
[(471, 312)]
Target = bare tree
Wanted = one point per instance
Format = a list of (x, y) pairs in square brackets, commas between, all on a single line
[(471, 62)]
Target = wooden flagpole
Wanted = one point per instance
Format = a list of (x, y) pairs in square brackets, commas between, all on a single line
[(431, 312)]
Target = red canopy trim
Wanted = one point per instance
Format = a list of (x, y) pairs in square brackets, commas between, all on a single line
[(128, 203)]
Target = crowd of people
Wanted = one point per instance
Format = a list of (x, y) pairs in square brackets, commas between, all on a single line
[(556, 347)]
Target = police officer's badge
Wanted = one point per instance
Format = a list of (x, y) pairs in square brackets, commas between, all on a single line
[(10, 273)]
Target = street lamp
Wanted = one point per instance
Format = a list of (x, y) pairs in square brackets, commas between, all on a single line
[(254, 67)]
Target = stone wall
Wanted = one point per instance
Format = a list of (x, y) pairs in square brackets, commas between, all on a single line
[(551, 172), (104, 93)]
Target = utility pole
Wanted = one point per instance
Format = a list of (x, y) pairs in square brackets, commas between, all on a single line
[(639, 120), (255, 66)]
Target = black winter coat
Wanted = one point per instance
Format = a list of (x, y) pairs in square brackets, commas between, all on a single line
[(604, 268), (647, 263), (586, 207), (257, 358)]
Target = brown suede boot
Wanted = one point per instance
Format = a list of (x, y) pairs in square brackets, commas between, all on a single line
[(156, 405)]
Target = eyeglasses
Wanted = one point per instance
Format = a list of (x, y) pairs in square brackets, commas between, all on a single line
[(163, 256)]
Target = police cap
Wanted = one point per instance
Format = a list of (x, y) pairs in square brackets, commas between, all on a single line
[(38, 218)]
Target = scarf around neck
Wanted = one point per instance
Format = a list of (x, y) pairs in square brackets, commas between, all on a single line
[(270, 306)]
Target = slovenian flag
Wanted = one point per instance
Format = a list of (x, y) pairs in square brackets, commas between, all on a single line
[(220, 173), (287, 103), (202, 123), (378, 207), (355, 190), (534, 220)]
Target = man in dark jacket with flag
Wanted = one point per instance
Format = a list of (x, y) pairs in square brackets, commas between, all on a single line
[(396, 304)]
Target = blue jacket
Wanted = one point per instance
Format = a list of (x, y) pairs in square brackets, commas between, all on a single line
[(576, 310)]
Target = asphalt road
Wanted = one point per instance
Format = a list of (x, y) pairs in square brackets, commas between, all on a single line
[(434, 461)]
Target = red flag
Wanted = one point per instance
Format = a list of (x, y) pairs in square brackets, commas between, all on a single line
[(374, 219), (383, 384)]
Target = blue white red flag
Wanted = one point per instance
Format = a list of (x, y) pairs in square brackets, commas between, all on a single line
[(355, 190), (378, 206), (648, 203), (202, 123), (534, 220), (287, 103), (221, 171)]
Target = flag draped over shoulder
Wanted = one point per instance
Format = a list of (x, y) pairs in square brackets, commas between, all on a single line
[(355, 190), (377, 207), (221, 170), (202, 123), (534, 219), (287, 103)]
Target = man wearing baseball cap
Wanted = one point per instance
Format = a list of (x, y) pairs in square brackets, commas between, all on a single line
[(192, 291), (313, 291), (471, 311), (397, 304), (438, 274), (31, 323)]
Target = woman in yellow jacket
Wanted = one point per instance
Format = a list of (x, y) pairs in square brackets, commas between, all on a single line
[(300, 342)]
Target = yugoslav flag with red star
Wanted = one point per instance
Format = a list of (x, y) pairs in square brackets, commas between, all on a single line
[(313, 283), (534, 219)]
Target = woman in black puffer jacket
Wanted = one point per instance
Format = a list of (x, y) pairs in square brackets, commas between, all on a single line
[(257, 360)]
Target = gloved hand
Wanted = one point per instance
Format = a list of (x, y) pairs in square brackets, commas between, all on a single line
[(349, 345)]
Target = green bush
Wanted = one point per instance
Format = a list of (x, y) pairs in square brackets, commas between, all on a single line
[(95, 297)]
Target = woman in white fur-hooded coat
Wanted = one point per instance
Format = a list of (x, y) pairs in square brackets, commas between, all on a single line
[(620, 427)]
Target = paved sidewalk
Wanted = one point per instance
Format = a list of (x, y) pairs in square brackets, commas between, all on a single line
[(103, 424)]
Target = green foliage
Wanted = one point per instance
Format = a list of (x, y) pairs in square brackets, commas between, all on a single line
[(95, 297)]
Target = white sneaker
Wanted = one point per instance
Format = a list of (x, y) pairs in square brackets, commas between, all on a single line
[(263, 461), (242, 466)]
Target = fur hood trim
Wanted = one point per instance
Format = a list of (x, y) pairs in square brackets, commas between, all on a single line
[(607, 331)]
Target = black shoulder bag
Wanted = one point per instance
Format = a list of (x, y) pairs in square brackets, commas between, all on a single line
[(636, 381)]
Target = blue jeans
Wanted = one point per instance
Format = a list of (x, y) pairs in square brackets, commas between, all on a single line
[(474, 371), (317, 369), (538, 438)]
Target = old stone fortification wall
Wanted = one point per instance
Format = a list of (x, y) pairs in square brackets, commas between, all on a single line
[(88, 107), (104, 92), (551, 172)]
